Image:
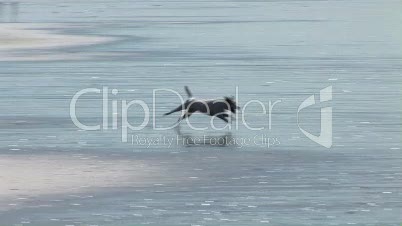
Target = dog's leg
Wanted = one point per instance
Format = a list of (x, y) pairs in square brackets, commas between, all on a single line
[(183, 116), (179, 108), (223, 117)]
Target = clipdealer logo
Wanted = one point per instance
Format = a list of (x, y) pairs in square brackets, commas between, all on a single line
[(324, 138)]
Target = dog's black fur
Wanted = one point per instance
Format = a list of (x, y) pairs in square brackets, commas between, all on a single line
[(216, 107)]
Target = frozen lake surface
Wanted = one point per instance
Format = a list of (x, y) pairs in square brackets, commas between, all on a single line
[(270, 50)]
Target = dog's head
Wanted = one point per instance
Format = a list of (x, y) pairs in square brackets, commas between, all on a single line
[(232, 103)]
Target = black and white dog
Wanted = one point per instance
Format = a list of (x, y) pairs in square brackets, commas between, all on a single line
[(221, 108)]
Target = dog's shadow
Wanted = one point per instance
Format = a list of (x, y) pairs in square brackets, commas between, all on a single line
[(190, 140)]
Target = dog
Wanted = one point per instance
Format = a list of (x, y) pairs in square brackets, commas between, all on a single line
[(220, 108)]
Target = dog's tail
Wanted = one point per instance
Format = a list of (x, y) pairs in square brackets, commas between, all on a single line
[(189, 94)]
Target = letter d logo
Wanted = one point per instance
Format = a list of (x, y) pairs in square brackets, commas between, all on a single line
[(325, 137)]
